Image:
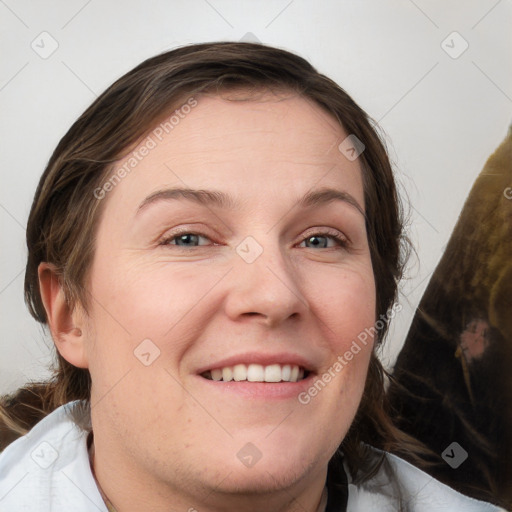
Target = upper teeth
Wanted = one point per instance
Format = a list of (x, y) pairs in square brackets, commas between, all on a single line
[(257, 373)]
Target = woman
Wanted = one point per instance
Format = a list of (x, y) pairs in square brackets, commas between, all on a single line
[(215, 247)]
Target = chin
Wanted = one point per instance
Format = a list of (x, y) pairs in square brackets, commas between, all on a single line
[(264, 478)]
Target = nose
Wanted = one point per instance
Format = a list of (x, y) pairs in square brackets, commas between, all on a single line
[(266, 289)]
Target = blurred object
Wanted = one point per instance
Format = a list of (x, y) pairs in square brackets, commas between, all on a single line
[(454, 374)]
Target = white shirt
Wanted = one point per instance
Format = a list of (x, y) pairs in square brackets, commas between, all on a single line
[(48, 471)]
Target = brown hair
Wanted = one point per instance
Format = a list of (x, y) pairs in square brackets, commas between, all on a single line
[(65, 213)]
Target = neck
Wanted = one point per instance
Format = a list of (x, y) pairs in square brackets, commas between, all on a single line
[(134, 494)]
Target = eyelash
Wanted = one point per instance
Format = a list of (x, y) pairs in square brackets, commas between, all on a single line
[(335, 235)]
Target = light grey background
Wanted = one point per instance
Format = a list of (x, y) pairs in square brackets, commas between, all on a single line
[(442, 115)]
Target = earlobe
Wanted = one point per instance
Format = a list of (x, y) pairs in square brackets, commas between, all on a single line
[(65, 324)]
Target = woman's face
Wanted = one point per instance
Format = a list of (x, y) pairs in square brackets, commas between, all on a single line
[(182, 284)]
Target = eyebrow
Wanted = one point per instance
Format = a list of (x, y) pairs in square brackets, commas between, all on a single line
[(219, 199)]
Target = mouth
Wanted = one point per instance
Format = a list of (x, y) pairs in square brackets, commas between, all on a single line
[(273, 373)]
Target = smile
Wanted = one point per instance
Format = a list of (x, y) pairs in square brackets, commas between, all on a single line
[(257, 373)]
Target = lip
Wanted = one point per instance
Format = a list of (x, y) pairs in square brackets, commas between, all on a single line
[(256, 390), (264, 359)]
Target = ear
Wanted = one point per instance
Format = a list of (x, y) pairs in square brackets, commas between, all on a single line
[(67, 326)]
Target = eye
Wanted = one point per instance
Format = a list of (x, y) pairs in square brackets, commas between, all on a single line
[(315, 240), (321, 240), (184, 239)]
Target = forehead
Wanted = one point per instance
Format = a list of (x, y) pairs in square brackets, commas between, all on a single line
[(287, 124), (257, 148)]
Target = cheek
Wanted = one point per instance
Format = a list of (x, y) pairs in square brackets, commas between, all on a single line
[(133, 304), (148, 300), (345, 301), (345, 305)]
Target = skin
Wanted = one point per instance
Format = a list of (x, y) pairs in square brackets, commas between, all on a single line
[(161, 434)]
